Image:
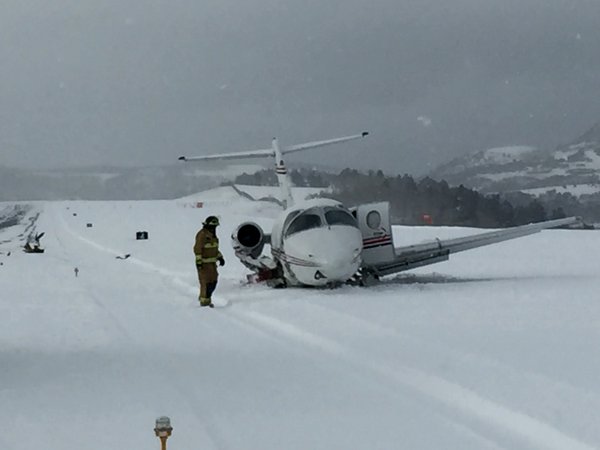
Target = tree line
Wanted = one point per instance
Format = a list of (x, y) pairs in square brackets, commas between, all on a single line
[(427, 201)]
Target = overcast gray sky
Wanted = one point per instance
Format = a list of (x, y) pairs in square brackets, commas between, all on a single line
[(133, 82)]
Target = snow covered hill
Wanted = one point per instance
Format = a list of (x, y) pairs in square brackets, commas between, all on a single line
[(494, 349), (572, 168)]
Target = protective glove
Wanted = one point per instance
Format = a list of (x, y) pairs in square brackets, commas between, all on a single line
[(221, 261)]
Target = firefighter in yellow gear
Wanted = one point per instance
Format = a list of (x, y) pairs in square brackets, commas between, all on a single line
[(206, 249)]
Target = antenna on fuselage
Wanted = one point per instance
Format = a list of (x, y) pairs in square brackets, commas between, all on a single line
[(277, 152)]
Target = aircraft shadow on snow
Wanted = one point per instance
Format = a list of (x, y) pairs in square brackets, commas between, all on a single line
[(430, 278), (437, 278)]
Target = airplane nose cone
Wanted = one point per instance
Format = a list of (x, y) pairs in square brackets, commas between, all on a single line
[(335, 254)]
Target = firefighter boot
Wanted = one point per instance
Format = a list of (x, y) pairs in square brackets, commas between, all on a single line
[(206, 302)]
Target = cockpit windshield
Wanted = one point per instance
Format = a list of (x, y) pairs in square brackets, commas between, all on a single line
[(319, 217), (335, 216), (304, 221)]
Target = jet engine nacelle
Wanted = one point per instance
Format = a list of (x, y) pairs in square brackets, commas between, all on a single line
[(249, 239)]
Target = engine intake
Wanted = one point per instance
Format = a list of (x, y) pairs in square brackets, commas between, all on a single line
[(248, 239)]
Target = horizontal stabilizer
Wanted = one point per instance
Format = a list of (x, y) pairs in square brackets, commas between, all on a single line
[(315, 144), (237, 155), (271, 151)]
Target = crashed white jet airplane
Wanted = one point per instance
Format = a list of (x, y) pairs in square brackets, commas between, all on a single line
[(320, 242)]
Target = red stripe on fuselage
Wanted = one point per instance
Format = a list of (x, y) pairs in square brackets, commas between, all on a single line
[(377, 239)]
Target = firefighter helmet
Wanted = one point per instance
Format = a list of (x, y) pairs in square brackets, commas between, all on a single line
[(211, 221)]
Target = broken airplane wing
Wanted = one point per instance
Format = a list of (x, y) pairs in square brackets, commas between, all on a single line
[(412, 256)]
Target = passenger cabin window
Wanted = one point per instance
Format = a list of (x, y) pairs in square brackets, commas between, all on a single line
[(339, 217), (304, 222), (374, 220)]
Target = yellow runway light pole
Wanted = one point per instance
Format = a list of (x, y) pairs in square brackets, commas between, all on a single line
[(163, 430)]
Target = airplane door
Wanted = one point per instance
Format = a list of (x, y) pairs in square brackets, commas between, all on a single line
[(374, 223)]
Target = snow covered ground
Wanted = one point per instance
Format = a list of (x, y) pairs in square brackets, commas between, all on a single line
[(495, 349)]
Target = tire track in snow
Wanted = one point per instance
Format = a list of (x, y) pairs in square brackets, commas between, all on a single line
[(283, 341), (563, 393), (176, 279), (240, 319), (209, 424), (89, 292), (469, 403), (464, 356), (450, 394)]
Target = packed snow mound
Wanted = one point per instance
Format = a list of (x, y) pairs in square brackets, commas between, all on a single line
[(221, 194), (241, 192)]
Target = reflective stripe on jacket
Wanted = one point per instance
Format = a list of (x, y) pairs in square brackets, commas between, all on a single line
[(206, 247)]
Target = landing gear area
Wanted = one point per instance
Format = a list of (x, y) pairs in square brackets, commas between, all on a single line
[(364, 278), (272, 277)]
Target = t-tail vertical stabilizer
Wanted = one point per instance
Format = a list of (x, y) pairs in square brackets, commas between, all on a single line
[(277, 152)]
